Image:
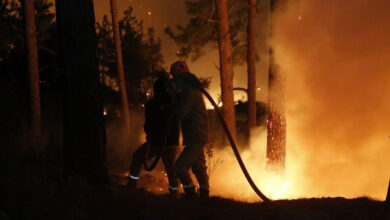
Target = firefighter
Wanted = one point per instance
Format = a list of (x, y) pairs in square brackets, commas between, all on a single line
[(192, 113), (161, 125)]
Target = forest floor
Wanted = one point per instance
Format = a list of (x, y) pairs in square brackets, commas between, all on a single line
[(77, 200)]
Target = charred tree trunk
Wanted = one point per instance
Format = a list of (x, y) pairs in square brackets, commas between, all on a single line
[(121, 74), (251, 56), (84, 131), (276, 118), (33, 72), (226, 65)]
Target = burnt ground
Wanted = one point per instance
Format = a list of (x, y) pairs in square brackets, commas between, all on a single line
[(79, 200)]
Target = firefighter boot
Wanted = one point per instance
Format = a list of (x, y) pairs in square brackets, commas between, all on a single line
[(190, 193), (131, 183)]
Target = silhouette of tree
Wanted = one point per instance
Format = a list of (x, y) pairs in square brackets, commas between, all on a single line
[(84, 131), (33, 72), (141, 51), (119, 61)]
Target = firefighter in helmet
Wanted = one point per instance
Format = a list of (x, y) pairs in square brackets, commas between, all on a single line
[(192, 113)]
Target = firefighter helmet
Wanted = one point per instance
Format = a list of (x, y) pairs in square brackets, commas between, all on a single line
[(179, 67)]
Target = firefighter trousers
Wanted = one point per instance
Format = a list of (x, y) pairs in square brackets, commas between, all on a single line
[(193, 157), (168, 157)]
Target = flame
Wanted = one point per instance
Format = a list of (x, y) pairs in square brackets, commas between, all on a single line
[(284, 188)]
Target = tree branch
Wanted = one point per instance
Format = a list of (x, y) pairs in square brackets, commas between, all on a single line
[(231, 7), (211, 19), (216, 66)]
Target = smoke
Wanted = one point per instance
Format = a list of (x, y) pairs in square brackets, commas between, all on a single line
[(334, 56), (335, 60)]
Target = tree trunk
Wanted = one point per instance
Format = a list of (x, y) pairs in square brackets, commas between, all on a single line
[(121, 74), (226, 65), (276, 119), (32, 53), (84, 133), (251, 56)]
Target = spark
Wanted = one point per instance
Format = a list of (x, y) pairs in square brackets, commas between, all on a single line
[(149, 13)]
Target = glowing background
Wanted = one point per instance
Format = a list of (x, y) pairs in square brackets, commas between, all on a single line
[(335, 57), (336, 63)]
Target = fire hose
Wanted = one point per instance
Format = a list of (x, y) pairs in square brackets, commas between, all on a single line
[(232, 144)]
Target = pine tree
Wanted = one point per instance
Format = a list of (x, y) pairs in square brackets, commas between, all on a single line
[(119, 61), (84, 130), (251, 63), (141, 52), (226, 65), (201, 34), (33, 71), (276, 117)]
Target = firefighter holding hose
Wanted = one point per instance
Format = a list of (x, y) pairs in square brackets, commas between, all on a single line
[(192, 114), (162, 131)]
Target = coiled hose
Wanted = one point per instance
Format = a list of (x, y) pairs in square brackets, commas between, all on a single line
[(232, 144)]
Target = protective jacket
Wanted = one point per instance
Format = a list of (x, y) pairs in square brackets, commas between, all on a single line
[(161, 122), (191, 109)]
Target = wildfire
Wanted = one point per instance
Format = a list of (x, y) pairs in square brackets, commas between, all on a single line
[(284, 188)]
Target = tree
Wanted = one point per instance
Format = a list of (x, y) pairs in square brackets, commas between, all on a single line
[(14, 70), (276, 118), (84, 130), (201, 31), (141, 52), (251, 63), (121, 74), (226, 65), (32, 54)]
